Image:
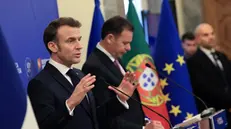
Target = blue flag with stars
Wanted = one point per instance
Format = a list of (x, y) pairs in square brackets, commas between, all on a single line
[(169, 60), (97, 24)]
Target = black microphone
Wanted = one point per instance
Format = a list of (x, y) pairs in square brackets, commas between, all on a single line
[(137, 102), (207, 112)]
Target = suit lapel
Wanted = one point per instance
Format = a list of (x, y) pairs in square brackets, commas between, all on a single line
[(92, 105), (59, 77), (223, 60), (108, 64), (205, 58)]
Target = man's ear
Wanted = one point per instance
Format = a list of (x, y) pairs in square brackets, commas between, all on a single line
[(53, 47), (110, 38), (197, 39), (182, 44)]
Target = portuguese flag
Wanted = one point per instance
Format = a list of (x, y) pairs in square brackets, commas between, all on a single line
[(139, 61)]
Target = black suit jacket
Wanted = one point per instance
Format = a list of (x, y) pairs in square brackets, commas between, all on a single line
[(48, 92), (100, 65), (207, 80)]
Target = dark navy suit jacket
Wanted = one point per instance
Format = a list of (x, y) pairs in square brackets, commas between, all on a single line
[(48, 92)]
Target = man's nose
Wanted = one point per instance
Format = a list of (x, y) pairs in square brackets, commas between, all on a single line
[(79, 46), (128, 47)]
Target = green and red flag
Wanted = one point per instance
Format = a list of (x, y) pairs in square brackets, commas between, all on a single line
[(139, 61)]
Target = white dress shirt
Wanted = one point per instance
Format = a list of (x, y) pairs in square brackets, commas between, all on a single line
[(121, 69)]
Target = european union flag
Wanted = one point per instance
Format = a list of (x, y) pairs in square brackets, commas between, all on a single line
[(12, 94), (96, 26), (169, 60)]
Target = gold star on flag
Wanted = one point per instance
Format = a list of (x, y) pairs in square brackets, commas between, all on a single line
[(169, 68), (180, 59), (166, 97), (163, 83), (189, 115), (175, 110)]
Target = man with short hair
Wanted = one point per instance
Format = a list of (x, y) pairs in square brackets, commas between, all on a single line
[(105, 63), (188, 44), (210, 71)]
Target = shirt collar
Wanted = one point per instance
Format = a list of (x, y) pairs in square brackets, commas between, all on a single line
[(207, 51), (62, 68), (105, 52)]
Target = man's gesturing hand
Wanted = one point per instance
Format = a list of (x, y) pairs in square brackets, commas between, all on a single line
[(85, 85), (128, 85)]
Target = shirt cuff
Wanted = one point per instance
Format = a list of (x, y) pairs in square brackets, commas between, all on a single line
[(125, 104), (71, 112), (146, 122)]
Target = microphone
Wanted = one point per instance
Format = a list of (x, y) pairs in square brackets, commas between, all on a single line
[(170, 125), (207, 112)]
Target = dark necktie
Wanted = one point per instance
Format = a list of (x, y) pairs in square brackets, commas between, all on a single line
[(216, 59), (75, 80), (74, 77)]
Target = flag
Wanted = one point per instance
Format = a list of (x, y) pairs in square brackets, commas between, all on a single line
[(12, 94), (169, 60), (137, 61), (14, 105), (96, 27)]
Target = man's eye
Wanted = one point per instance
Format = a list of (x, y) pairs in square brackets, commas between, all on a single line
[(70, 41)]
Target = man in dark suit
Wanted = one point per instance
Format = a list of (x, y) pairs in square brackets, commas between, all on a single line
[(60, 95), (210, 71), (104, 62)]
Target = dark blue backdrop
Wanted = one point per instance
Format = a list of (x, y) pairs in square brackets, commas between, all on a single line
[(23, 23)]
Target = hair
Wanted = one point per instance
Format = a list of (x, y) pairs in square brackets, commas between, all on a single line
[(187, 36), (115, 26), (50, 33)]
